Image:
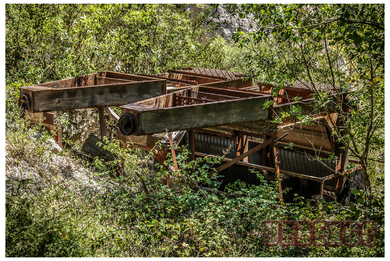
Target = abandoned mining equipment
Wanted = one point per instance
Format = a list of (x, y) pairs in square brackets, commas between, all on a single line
[(214, 112)]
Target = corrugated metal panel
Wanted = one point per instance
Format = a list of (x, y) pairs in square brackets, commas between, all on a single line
[(303, 163), (214, 145)]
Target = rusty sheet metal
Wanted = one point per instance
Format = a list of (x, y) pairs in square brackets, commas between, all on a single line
[(200, 78), (96, 90), (228, 75)]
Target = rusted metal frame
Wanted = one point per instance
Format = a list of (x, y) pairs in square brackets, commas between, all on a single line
[(197, 74), (171, 79), (131, 77), (106, 80), (249, 152)]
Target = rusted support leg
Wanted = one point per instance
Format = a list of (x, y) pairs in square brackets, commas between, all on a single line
[(322, 189), (102, 122), (49, 120), (277, 171), (242, 146), (173, 151)]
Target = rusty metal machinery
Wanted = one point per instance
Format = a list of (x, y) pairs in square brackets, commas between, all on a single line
[(214, 112)]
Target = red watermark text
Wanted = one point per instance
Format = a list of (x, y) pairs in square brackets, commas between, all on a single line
[(320, 233)]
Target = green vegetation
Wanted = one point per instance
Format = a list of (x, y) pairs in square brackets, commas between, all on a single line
[(104, 214)]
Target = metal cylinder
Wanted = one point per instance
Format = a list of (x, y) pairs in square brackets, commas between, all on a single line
[(127, 124)]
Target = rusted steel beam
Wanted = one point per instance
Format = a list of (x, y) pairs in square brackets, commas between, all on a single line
[(107, 80), (322, 188), (246, 164), (112, 113), (67, 94), (242, 146), (173, 151), (302, 176), (147, 118)]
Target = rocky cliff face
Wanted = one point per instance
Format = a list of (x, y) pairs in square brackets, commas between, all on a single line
[(227, 23)]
